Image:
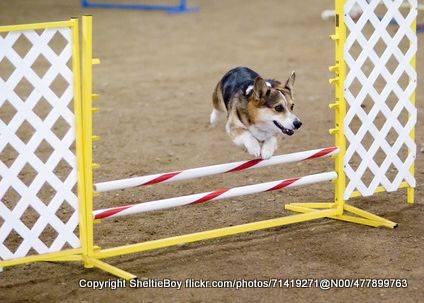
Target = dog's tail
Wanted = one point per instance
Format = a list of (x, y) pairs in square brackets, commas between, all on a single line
[(218, 105)]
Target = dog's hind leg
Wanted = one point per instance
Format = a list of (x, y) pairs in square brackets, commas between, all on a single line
[(218, 105)]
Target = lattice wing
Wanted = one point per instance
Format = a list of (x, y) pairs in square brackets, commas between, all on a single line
[(379, 85), (39, 207)]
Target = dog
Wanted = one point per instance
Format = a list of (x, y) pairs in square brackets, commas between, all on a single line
[(258, 110)]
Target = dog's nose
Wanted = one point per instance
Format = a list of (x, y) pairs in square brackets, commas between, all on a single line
[(297, 124)]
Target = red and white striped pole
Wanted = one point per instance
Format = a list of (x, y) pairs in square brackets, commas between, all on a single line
[(213, 170), (211, 196)]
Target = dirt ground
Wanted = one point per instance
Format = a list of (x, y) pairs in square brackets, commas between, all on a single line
[(156, 79)]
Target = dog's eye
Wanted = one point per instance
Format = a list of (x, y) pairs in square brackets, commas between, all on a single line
[(279, 108), (292, 107)]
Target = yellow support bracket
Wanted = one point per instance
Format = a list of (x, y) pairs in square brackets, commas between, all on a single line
[(95, 61), (95, 97), (333, 131), (333, 68), (96, 138), (95, 165), (333, 105), (334, 37), (95, 110), (334, 80)]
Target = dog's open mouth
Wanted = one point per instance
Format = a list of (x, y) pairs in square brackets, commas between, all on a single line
[(284, 130)]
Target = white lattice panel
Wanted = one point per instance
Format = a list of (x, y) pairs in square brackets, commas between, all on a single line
[(38, 206), (379, 84)]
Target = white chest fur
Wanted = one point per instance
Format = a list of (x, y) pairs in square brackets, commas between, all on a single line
[(260, 133)]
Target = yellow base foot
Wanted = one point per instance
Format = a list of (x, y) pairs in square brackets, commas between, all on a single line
[(362, 216), (112, 269)]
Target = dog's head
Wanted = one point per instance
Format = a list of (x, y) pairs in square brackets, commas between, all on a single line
[(271, 104)]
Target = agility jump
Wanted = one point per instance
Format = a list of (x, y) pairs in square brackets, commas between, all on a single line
[(348, 176)]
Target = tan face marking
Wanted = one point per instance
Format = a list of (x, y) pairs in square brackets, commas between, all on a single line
[(272, 109), (274, 102), (288, 102)]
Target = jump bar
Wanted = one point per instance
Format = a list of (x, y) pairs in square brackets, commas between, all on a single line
[(212, 196), (213, 170)]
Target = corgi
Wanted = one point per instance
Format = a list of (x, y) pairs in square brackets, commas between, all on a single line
[(257, 110)]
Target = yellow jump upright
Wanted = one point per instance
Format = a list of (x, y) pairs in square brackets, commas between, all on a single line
[(343, 9)]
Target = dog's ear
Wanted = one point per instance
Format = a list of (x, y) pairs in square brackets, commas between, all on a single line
[(290, 81), (275, 84), (260, 89)]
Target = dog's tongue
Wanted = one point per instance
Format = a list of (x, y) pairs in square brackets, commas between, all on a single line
[(284, 130)]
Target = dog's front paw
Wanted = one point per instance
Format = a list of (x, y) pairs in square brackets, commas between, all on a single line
[(268, 148), (253, 147), (266, 152)]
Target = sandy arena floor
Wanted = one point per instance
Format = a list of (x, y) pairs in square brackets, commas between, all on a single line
[(156, 80)]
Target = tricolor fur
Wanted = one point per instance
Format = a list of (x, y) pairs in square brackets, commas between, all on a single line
[(257, 110)]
